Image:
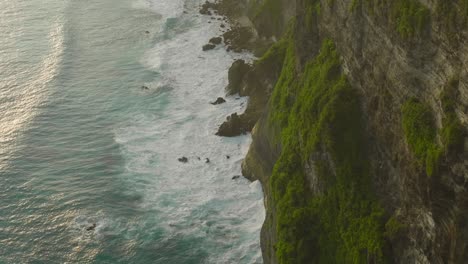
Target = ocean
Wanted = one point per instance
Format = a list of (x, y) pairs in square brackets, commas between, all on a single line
[(98, 101)]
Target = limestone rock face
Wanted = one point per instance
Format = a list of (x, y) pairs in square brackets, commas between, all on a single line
[(388, 68)]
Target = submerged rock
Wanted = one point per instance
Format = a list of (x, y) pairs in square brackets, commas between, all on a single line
[(218, 101), (208, 47), (91, 228), (183, 159), (216, 40), (205, 8)]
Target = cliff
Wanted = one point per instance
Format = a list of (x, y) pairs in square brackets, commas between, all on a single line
[(359, 115)]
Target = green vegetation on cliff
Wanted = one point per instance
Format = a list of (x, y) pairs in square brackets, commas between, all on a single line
[(453, 132), (408, 17), (272, 60), (420, 132), (267, 14), (322, 127), (453, 16)]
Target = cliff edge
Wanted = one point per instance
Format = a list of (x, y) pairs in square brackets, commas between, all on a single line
[(359, 117)]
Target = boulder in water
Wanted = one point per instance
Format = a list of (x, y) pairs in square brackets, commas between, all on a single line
[(208, 47), (205, 8), (216, 40), (218, 101), (91, 228), (183, 159), (232, 127)]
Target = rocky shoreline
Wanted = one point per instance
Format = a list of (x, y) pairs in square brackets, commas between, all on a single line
[(243, 78)]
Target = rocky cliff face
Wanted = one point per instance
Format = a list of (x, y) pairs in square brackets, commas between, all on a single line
[(361, 141)]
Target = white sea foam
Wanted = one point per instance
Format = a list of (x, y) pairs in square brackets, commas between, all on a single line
[(196, 199), (165, 8)]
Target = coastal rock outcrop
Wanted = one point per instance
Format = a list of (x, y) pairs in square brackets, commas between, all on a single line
[(232, 127), (219, 101), (207, 7), (216, 40), (236, 76), (208, 47)]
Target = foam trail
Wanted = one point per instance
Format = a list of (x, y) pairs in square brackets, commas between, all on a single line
[(196, 199)]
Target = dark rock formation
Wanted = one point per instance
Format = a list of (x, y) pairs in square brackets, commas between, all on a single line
[(216, 40), (208, 47), (232, 127), (239, 38), (91, 228), (236, 76), (219, 101), (183, 159), (206, 8)]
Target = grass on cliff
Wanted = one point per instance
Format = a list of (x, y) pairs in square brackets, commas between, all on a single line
[(322, 128), (272, 60), (453, 133), (421, 132)]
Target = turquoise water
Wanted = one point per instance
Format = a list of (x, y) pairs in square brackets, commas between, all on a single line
[(81, 142)]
